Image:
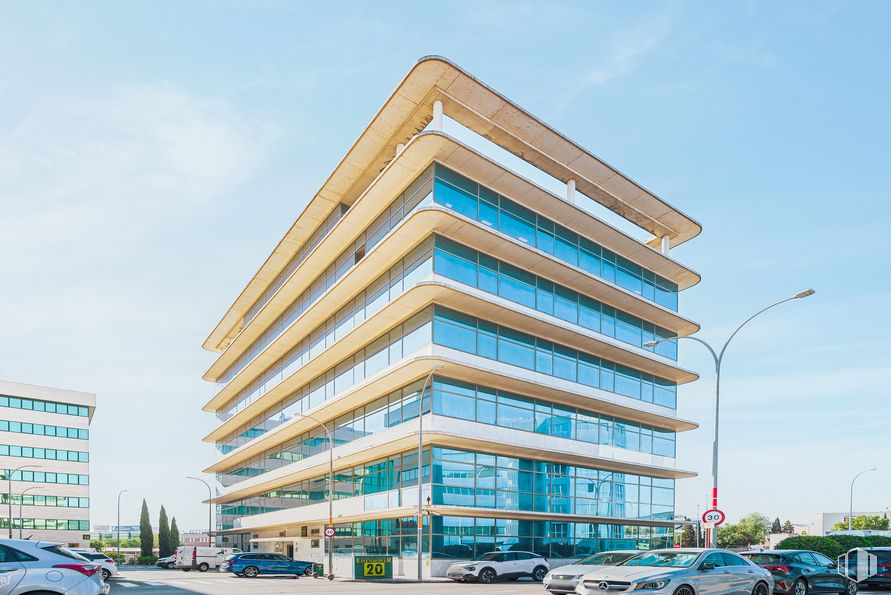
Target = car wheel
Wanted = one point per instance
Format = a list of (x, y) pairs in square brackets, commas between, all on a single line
[(308, 571), (800, 587), (760, 589), (539, 573), (105, 574), (487, 576), (851, 589), (203, 567), (684, 590), (251, 571)]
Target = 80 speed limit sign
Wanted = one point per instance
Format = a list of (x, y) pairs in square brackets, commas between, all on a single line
[(713, 517)]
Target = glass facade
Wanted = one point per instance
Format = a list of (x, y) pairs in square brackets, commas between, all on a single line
[(51, 454), (477, 202), (461, 400), (47, 406), (417, 194), (477, 480), (473, 268), (46, 477), (466, 333), (52, 501), (47, 524), (22, 427), (471, 402)]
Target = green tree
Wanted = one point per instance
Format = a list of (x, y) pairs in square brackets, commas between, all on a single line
[(164, 549), (174, 535), (146, 537), (688, 536), (750, 530), (777, 527), (863, 522), (788, 528)]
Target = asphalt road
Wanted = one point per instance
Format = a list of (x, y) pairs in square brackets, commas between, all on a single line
[(151, 581)]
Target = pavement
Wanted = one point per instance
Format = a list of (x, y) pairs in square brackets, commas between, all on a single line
[(155, 581)]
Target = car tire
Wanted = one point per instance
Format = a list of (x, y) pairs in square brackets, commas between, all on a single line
[(800, 587), (251, 572), (539, 573), (851, 589), (203, 567), (487, 576), (308, 571), (761, 589), (684, 590), (105, 574)]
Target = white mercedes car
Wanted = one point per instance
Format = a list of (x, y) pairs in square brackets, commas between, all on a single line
[(487, 568)]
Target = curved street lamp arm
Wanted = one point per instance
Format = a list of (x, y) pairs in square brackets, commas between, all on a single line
[(748, 320)]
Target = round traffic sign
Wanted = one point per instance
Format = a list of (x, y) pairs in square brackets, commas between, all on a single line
[(329, 531), (713, 517)]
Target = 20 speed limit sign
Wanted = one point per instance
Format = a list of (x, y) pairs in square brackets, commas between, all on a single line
[(713, 517)]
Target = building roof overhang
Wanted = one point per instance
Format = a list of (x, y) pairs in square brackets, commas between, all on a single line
[(481, 109)]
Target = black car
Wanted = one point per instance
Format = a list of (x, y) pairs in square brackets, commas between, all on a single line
[(800, 572), (882, 578)]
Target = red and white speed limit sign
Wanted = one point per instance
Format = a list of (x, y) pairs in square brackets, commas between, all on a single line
[(329, 531), (713, 517)]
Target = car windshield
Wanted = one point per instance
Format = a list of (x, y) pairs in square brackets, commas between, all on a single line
[(487, 556), (605, 559), (663, 559), (762, 559)]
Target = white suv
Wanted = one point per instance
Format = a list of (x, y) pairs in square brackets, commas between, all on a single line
[(493, 565), (107, 566)]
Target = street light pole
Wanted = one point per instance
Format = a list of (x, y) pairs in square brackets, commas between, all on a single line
[(9, 490), (330, 440), (209, 509), (719, 358), (427, 380), (119, 525), (21, 501), (851, 512)]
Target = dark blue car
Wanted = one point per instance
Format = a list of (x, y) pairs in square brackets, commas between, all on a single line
[(254, 564)]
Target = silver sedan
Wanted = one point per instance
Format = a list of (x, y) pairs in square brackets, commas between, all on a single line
[(680, 572)]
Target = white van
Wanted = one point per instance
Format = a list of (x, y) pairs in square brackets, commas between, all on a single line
[(188, 557)]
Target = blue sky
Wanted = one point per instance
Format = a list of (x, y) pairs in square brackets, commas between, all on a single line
[(153, 153)]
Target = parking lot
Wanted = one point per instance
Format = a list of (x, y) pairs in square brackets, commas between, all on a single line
[(163, 582), (153, 581)]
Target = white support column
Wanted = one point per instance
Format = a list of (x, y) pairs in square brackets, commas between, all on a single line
[(570, 191), (665, 244), (436, 124)]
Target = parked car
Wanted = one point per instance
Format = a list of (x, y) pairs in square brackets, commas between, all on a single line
[(882, 578), (190, 557), (799, 572), (107, 566), (680, 572), (487, 568), (254, 564), (564, 579), (166, 562), (45, 567)]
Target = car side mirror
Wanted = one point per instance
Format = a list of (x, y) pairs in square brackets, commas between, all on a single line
[(706, 566)]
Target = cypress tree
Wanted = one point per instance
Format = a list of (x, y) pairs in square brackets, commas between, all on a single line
[(777, 527), (164, 548), (174, 535), (146, 537)]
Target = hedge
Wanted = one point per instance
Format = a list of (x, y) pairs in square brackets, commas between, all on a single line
[(833, 545)]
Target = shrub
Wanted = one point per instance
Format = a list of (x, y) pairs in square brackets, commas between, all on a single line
[(147, 560), (825, 545)]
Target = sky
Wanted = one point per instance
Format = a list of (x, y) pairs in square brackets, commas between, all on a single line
[(153, 153)]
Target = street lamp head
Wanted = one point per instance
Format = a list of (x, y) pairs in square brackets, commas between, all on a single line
[(803, 294)]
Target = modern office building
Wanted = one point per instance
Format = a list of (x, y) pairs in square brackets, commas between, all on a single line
[(45, 451), (547, 424)]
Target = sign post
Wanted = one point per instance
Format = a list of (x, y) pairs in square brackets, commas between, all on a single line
[(372, 567)]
